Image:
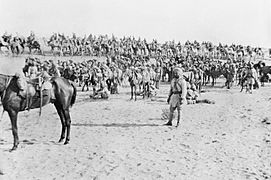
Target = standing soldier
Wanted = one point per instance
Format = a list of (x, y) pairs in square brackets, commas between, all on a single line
[(177, 95), (32, 70), (250, 76), (54, 71), (158, 76)]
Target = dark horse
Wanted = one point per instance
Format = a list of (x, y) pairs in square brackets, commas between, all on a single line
[(263, 71), (63, 91)]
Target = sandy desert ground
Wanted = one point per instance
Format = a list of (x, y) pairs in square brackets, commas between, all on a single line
[(123, 139)]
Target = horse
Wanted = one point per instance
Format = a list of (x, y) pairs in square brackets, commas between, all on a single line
[(214, 74), (229, 75), (16, 47), (5, 42), (63, 91), (54, 44), (135, 80), (263, 71), (33, 45)]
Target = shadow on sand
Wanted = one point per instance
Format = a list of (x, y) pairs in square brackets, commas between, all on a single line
[(122, 125)]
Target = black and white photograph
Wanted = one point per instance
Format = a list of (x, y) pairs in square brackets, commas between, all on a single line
[(135, 90)]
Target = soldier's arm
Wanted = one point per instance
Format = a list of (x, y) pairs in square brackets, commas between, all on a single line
[(169, 94), (184, 89)]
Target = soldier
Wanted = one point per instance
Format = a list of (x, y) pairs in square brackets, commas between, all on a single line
[(158, 71), (54, 71), (177, 95), (102, 92), (250, 76), (33, 69)]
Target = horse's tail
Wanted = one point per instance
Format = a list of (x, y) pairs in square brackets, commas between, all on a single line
[(73, 95)]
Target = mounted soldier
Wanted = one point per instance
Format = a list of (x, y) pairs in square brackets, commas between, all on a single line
[(36, 82)]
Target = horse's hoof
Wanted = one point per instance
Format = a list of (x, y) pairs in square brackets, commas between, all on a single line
[(66, 142), (168, 124), (1, 172), (60, 140), (13, 148)]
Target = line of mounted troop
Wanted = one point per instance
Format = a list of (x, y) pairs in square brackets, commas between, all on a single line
[(103, 45)]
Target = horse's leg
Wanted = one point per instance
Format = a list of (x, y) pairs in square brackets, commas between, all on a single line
[(131, 91), (68, 124), (87, 84), (61, 115), (213, 82), (83, 87), (135, 92), (200, 86), (144, 89), (108, 83), (242, 86), (13, 115), (148, 89), (179, 116)]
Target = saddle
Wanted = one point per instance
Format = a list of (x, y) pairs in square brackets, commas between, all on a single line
[(36, 90)]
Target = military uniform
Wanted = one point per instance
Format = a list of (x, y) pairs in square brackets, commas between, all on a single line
[(177, 94)]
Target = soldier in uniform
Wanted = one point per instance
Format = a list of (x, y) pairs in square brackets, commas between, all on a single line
[(54, 71), (158, 72), (177, 94), (33, 69)]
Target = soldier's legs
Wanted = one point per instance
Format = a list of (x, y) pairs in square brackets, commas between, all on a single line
[(171, 112), (157, 84), (179, 115)]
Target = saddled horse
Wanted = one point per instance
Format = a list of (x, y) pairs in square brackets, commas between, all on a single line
[(55, 46), (63, 91), (229, 72), (229, 75), (263, 71), (135, 80), (215, 73), (17, 45), (34, 45), (5, 42)]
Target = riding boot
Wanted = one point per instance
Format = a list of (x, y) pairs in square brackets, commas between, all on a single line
[(169, 123)]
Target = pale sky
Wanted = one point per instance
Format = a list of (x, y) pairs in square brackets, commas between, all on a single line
[(228, 21)]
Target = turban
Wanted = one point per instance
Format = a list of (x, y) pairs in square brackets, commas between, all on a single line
[(178, 71)]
